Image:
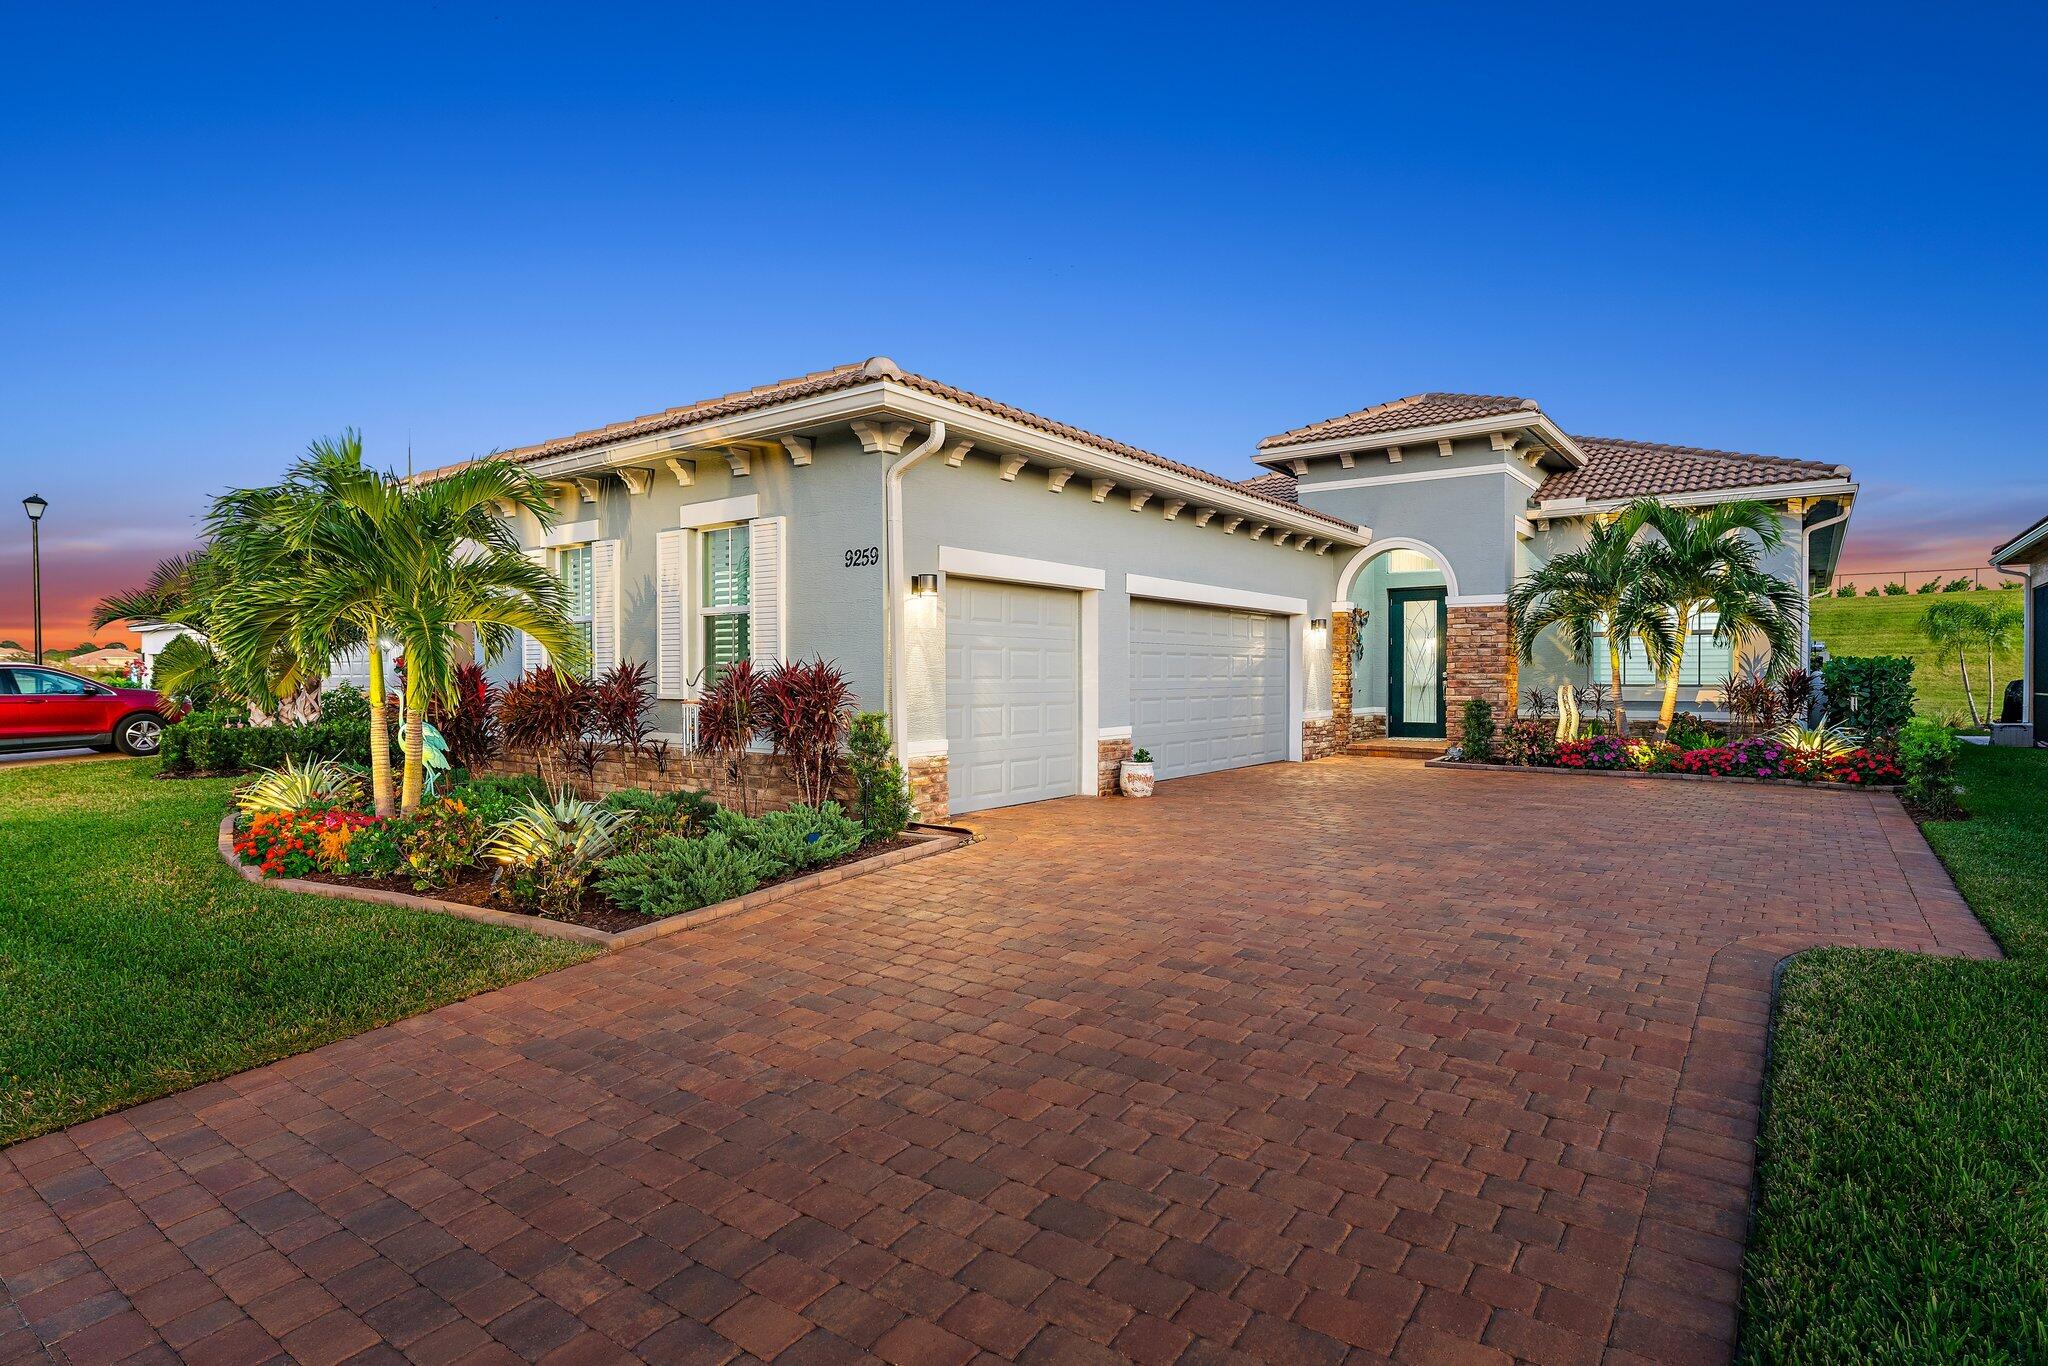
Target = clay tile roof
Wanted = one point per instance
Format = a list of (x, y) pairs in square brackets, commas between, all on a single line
[(1404, 414), (1630, 469), (868, 371), (1276, 484)]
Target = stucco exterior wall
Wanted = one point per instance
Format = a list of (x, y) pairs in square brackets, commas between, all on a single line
[(972, 508)]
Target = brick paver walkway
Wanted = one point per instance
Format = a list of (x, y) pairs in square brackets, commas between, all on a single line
[(1346, 1058)]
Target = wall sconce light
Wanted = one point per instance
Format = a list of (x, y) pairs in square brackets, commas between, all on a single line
[(924, 585), (1319, 624)]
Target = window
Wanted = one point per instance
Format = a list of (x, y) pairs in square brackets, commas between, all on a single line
[(1409, 562), (572, 566), (44, 683), (1707, 661), (725, 598)]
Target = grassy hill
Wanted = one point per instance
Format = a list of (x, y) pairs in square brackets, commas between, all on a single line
[(1891, 626)]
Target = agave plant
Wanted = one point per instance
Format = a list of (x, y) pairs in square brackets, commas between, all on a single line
[(297, 785), (552, 846), (1815, 742)]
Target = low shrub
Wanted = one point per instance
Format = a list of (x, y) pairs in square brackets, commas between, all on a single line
[(543, 709), (792, 840), (1689, 732), (552, 847), (658, 816), (621, 706), (469, 725), (1599, 752), (295, 786), (677, 874), (804, 714), (440, 842), (493, 799), (1860, 768), (225, 742), (295, 843), (1927, 758), (1477, 733), (883, 794), (344, 702), (1870, 694), (1528, 741)]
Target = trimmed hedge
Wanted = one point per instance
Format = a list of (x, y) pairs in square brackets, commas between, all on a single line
[(224, 742), (1872, 694)]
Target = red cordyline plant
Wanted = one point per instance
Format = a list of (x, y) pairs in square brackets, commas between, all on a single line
[(804, 712), (470, 725), (543, 709), (620, 703), (728, 719)]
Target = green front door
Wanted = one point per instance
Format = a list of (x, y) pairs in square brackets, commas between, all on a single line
[(1416, 621)]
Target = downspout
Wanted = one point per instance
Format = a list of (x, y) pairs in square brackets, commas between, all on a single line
[(896, 583), (1806, 573)]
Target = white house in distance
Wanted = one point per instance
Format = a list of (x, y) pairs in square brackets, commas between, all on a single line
[(2025, 556), (350, 666)]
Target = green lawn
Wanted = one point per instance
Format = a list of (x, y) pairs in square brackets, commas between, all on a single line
[(133, 962), (1903, 1182), (1890, 626)]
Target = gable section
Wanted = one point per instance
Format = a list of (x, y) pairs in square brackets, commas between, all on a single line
[(1404, 415), (1618, 468)]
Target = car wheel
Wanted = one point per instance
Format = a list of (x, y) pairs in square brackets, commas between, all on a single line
[(140, 735)]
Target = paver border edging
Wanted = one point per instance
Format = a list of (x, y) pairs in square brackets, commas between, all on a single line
[(1679, 777), (926, 846)]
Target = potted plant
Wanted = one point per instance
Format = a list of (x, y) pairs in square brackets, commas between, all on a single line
[(1134, 775)]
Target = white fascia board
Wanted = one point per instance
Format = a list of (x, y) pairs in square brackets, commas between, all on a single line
[(987, 564), (1421, 476), (1552, 434), (2016, 550), (743, 508), (963, 421), (1213, 595), (1768, 493), (569, 533)]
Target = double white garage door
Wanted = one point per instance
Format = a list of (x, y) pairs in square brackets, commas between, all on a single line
[(1208, 691)]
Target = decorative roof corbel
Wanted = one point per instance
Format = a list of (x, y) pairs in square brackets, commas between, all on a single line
[(799, 448), (1173, 507), (1012, 464), (881, 438), (1099, 489), (685, 471), (1055, 480), (1140, 497)]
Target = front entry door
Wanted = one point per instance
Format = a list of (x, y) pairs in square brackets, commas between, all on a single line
[(1416, 620)]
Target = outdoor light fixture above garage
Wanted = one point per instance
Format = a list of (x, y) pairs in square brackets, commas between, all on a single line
[(924, 585)]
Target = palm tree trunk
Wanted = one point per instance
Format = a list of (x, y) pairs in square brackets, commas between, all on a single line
[(415, 752), (380, 732), (1963, 658), (1669, 707), (1614, 675), (1990, 682)]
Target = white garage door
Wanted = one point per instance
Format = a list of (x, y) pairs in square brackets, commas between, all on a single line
[(1208, 686), (1013, 693)]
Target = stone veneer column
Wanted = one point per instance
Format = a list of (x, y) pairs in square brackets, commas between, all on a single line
[(1109, 754), (1322, 738), (929, 793), (1479, 661)]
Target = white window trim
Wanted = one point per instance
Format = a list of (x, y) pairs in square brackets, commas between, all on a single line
[(1213, 595), (563, 535), (720, 512), (1418, 477)]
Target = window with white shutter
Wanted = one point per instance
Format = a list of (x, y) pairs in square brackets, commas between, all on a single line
[(725, 597), (531, 654), (768, 602), (672, 615), (604, 606)]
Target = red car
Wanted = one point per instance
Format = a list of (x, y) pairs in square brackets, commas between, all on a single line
[(44, 708)]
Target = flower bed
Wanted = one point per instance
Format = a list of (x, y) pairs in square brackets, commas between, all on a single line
[(1765, 758), (513, 852)]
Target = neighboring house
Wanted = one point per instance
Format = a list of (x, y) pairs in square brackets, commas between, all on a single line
[(1027, 600), (13, 653), (348, 666), (2026, 557), (115, 659)]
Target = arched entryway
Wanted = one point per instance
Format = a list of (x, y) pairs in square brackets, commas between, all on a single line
[(1417, 648)]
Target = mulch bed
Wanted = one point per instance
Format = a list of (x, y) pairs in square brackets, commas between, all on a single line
[(596, 911)]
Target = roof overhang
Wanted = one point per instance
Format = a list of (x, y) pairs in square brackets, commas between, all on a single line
[(1843, 489), (988, 430), (1532, 421), (2025, 548)]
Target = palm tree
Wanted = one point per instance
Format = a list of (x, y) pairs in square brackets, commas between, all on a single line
[(179, 592), (2001, 623), (1706, 560), (1956, 624), (1592, 591)]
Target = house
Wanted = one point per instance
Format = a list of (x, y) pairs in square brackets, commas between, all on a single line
[(12, 654), (2026, 557), (1027, 600), (347, 666), (115, 659)]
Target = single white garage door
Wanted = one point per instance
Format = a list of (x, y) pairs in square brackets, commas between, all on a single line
[(1208, 686), (1013, 693)]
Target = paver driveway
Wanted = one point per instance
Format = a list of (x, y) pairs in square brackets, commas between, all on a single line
[(1295, 1062)]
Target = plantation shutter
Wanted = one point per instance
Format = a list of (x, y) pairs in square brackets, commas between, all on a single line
[(531, 655), (769, 604), (672, 613), (604, 606)]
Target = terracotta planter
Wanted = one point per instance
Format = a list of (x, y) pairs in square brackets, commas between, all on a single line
[(1134, 779)]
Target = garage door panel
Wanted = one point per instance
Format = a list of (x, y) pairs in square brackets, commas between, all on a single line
[(1013, 712), (1208, 687)]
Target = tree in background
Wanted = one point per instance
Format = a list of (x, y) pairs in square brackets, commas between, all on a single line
[(180, 591), (1956, 625), (2002, 624)]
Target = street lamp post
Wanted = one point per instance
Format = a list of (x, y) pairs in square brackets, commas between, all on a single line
[(35, 505)]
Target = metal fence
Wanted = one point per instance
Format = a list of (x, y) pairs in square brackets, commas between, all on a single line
[(1915, 580)]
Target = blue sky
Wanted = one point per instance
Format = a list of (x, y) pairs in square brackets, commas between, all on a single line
[(226, 231)]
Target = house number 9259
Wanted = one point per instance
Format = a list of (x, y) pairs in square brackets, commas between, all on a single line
[(862, 559)]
